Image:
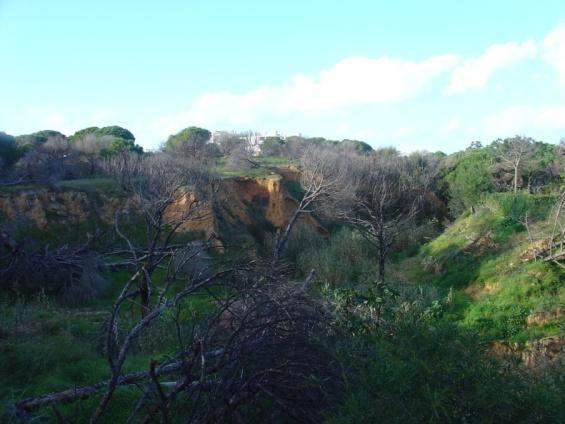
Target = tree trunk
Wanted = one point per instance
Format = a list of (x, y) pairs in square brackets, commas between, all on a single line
[(283, 237), (515, 180), (381, 253), (144, 295)]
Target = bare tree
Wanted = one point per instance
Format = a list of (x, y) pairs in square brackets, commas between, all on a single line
[(261, 344), (169, 192), (512, 153), (385, 201), (237, 148), (71, 273), (324, 180), (227, 141), (89, 147), (549, 244), (49, 161), (560, 160)]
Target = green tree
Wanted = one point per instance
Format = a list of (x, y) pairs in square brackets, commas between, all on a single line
[(272, 146), (115, 131), (468, 178), (36, 139), (8, 150), (542, 168), (191, 142), (121, 145), (80, 134), (112, 131), (357, 145)]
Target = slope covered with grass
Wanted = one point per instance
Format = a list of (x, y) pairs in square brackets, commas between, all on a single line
[(501, 290)]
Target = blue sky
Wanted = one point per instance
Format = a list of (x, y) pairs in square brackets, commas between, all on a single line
[(417, 75)]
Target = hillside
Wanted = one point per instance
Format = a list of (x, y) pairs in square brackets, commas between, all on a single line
[(338, 284), (486, 259), (249, 207)]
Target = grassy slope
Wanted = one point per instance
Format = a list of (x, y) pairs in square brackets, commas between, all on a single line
[(45, 346), (479, 257), (267, 165)]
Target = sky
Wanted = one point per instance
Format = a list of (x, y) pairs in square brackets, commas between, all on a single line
[(416, 75)]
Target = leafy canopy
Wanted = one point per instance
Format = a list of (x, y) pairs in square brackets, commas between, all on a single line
[(8, 150), (469, 178), (112, 131), (36, 139), (191, 139), (121, 145)]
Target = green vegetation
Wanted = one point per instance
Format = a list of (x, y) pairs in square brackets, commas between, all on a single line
[(272, 146), (192, 139), (428, 359), (416, 346), (468, 179), (121, 145), (112, 131), (48, 346), (481, 254), (264, 166), (37, 138), (8, 150)]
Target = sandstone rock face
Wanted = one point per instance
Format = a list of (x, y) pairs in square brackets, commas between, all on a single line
[(44, 206), (268, 195), (534, 354), (544, 352), (534, 249), (245, 198), (545, 317)]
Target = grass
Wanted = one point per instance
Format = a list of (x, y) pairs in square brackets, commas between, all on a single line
[(427, 360), (424, 362), (479, 255), (97, 186), (83, 184), (45, 346), (434, 372), (267, 167)]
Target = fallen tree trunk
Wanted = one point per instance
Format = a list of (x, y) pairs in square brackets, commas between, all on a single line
[(70, 395), (555, 251), (76, 393)]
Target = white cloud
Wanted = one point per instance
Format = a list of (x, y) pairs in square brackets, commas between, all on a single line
[(553, 117), (352, 81), (520, 118), (450, 126), (510, 121), (402, 132), (554, 50), (474, 73), (361, 80)]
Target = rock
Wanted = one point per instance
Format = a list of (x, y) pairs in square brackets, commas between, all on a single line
[(248, 199), (545, 317), (544, 352), (478, 289), (535, 248), (503, 349)]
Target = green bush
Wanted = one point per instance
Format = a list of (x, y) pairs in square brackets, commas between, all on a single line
[(435, 373), (344, 259), (535, 207), (8, 150)]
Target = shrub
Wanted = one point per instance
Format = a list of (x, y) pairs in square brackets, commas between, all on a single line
[(343, 259), (8, 150)]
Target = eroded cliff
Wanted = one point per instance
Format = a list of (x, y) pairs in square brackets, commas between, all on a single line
[(241, 204)]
